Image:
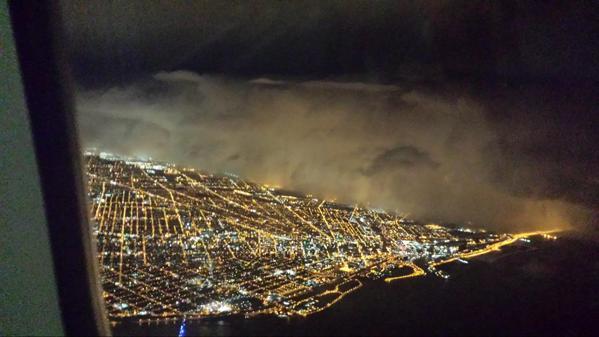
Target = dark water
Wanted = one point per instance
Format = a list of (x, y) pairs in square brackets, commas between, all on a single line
[(542, 288)]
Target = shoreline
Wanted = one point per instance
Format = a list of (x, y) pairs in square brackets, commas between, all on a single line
[(417, 271), (494, 247)]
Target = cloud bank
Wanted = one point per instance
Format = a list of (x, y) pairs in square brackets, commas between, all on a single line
[(434, 156)]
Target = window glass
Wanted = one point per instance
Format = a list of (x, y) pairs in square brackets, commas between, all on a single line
[(340, 167)]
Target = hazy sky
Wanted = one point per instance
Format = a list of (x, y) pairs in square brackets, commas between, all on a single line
[(450, 110)]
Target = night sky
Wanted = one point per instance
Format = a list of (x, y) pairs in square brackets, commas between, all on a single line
[(482, 111)]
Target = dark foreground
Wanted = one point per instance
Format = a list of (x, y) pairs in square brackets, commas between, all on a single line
[(539, 288)]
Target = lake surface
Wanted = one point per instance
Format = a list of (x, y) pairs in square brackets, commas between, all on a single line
[(539, 288)]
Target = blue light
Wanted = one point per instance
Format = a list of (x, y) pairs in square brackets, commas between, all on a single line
[(182, 329)]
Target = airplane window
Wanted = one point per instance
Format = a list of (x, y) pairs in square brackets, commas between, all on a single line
[(338, 167)]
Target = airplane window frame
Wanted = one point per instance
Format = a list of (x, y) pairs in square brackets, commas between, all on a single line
[(37, 33)]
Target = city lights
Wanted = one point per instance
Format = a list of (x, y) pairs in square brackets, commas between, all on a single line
[(177, 243)]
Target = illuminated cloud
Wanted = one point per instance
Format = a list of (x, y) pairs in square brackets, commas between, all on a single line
[(404, 156), (432, 155)]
